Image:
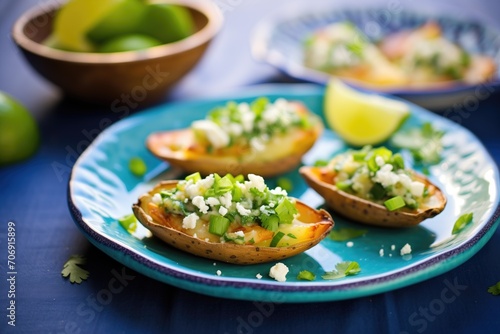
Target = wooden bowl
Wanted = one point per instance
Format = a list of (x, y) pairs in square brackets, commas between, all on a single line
[(142, 76)]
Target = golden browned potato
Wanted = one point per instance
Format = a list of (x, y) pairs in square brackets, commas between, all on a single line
[(263, 138), (245, 238), (351, 189)]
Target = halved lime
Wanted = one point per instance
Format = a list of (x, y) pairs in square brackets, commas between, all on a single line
[(76, 18), (19, 135), (362, 118)]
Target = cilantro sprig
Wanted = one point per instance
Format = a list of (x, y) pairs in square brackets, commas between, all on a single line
[(73, 270), (495, 289), (343, 269)]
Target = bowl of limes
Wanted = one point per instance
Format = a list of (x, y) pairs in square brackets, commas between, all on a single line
[(104, 51)]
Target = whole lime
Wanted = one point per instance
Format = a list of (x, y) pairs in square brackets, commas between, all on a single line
[(19, 135)]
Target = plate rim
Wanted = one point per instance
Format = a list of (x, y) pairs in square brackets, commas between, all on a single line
[(260, 50), (293, 291)]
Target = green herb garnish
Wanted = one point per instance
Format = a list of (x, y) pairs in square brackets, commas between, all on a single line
[(218, 225), (424, 143), (343, 269), (346, 233), (285, 183), (306, 275), (128, 222), (494, 289), (395, 203), (72, 269), (461, 222), (137, 166), (277, 238)]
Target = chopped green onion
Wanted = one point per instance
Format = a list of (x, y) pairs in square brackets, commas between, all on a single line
[(218, 225), (195, 177), (128, 222), (343, 185), (461, 222), (259, 105), (270, 222), (276, 239), (285, 183), (285, 211), (290, 235), (239, 178), (223, 185), (237, 194), (306, 275), (321, 163), (395, 203), (398, 161), (137, 166)]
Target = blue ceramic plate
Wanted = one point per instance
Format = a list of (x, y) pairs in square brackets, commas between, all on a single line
[(278, 40), (102, 189)]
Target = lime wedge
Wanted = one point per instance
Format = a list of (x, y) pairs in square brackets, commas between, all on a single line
[(361, 118), (76, 18), (167, 23), (123, 19)]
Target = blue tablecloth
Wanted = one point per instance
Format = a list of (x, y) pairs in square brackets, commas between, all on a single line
[(33, 197)]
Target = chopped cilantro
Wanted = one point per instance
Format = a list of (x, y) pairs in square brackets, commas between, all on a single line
[(71, 268), (346, 233), (343, 269), (461, 222), (495, 289), (306, 275), (320, 163)]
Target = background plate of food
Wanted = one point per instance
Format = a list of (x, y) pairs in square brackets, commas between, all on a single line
[(434, 61), (353, 260)]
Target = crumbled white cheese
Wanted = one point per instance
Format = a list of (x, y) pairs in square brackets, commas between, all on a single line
[(242, 210), (212, 201), (226, 200), (393, 247), (189, 222), (279, 191), (215, 135), (157, 199), (381, 252), (222, 211), (379, 161), (239, 233), (278, 272), (259, 276), (406, 249), (199, 202), (219, 272), (417, 188), (349, 244), (255, 181)]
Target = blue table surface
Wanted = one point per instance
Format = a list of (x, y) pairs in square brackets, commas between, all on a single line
[(33, 197)]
